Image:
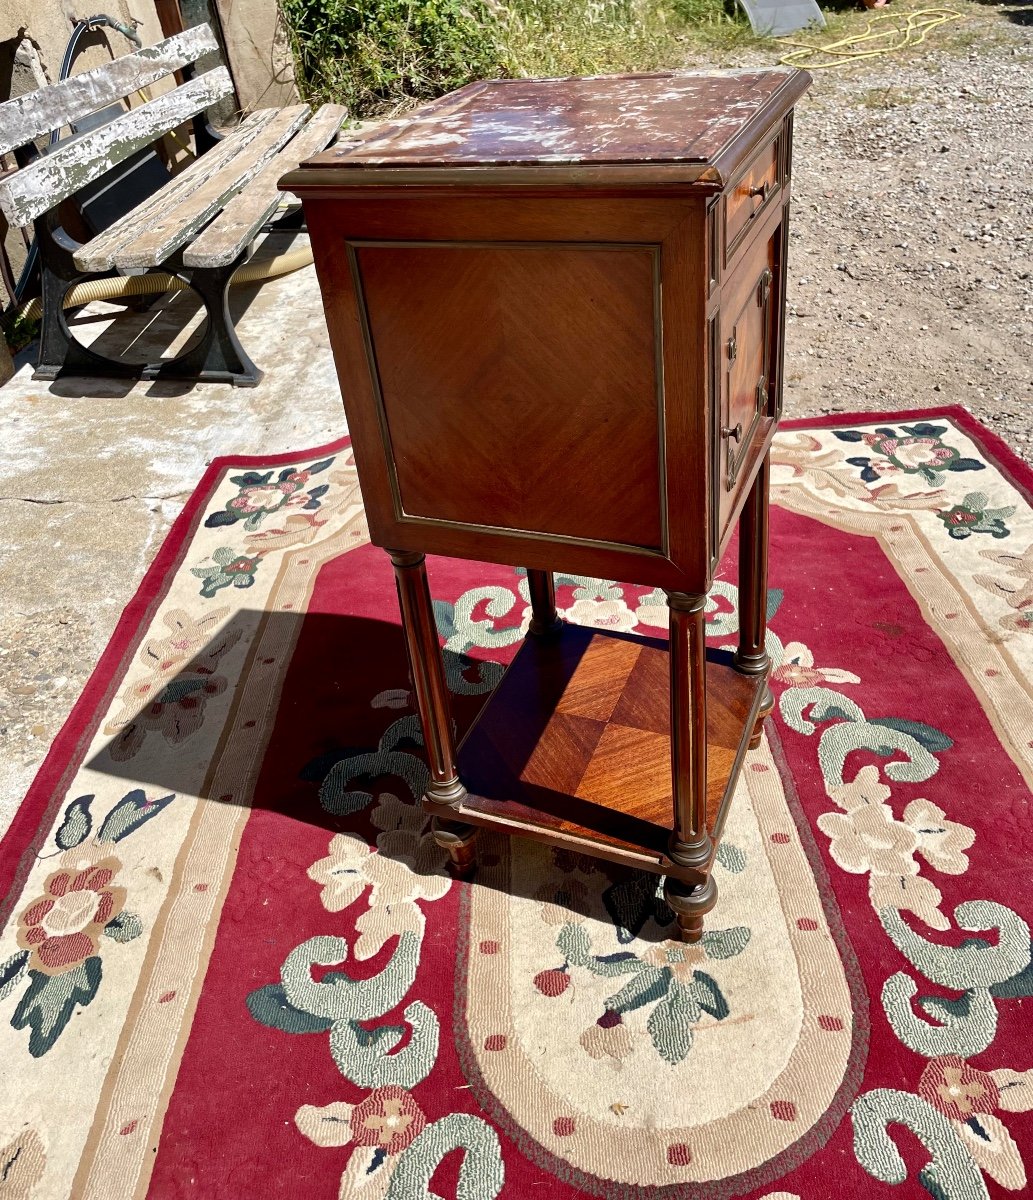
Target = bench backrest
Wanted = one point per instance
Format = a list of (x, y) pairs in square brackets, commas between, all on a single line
[(44, 183)]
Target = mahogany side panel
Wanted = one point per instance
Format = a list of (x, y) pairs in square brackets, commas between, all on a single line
[(647, 531), (512, 377)]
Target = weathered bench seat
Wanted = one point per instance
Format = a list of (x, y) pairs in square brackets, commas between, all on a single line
[(200, 226)]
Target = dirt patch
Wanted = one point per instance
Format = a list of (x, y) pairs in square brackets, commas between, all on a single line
[(911, 265)]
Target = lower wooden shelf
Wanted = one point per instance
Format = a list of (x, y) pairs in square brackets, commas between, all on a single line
[(574, 746)]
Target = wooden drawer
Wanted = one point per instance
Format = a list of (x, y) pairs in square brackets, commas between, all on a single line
[(750, 195), (747, 367)]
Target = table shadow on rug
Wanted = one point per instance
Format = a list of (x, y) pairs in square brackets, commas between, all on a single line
[(319, 720)]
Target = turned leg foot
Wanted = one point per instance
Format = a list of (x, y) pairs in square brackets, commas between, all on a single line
[(542, 590), (460, 842), (767, 707), (690, 905)]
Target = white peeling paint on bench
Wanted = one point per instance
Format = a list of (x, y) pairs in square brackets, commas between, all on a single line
[(179, 224), (104, 251), (242, 218), (60, 104), (39, 187)]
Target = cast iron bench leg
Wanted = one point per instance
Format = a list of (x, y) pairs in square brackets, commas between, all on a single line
[(60, 352), (218, 357)]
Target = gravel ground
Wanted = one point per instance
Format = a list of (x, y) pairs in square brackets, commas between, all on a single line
[(911, 268)]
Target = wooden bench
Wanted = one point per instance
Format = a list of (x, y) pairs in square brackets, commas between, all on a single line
[(200, 226)]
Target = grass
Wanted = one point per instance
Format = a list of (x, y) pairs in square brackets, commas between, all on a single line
[(378, 55), (581, 37), (882, 99), (386, 55)]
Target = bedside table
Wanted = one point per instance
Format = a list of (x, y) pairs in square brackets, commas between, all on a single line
[(556, 308)]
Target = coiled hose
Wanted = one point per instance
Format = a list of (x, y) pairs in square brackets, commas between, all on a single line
[(897, 31), (162, 281)]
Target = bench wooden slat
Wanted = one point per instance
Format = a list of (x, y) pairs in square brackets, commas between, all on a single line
[(247, 212), (43, 184), (102, 252), (178, 224), (59, 104)]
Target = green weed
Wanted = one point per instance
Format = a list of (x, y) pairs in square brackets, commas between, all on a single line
[(19, 330), (376, 55), (379, 56)]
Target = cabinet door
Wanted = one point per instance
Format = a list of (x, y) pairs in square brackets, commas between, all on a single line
[(748, 324)]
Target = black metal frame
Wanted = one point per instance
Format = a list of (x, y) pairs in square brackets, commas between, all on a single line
[(218, 357)]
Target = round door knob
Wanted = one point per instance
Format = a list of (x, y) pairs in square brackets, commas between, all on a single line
[(733, 431)]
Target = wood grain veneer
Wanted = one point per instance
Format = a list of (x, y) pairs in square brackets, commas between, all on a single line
[(574, 746)]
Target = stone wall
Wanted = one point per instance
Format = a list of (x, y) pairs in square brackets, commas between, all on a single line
[(46, 25)]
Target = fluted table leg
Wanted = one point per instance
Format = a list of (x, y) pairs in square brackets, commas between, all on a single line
[(542, 590), (445, 790), (691, 848), (751, 657)]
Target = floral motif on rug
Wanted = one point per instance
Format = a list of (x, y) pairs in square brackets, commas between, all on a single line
[(234, 962)]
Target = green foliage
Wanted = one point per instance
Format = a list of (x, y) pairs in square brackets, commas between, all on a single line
[(19, 330), (586, 37), (381, 56)]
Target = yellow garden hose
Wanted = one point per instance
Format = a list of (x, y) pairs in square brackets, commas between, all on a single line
[(161, 281), (902, 30)]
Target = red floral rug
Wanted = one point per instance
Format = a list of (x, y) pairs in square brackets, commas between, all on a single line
[(234, 966)]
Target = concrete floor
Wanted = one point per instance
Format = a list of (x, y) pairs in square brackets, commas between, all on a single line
[(93, 472)]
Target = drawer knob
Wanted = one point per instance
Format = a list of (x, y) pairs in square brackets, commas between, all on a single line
[(733, 348), (763, 190), (733, 431)]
